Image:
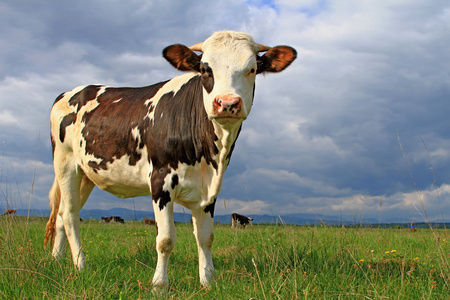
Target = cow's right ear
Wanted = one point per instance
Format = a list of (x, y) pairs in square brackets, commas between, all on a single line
[(182, 58)]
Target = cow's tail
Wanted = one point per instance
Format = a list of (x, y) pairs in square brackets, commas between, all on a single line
[(55, 199)]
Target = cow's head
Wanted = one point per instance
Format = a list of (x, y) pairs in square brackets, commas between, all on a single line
[(228, 65)]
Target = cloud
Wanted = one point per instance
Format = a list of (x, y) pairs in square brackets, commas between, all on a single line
[(248, 207), (8, 118), (24, 182), (418, 206), (322, 135)]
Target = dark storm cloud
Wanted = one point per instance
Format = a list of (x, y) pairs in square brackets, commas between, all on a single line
[(322, 136)]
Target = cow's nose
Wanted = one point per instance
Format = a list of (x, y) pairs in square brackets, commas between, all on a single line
[(226, 104)]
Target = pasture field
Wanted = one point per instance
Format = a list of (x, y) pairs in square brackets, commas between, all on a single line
[(260, 262)]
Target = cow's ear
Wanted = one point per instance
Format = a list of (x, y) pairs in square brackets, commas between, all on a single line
[(276, 59), (182, 58)]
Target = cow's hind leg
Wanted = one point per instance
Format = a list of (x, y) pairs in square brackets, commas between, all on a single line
[(55, 200), (60, 235), (70, 178), (203, 230), (165, 241), (59, 246)]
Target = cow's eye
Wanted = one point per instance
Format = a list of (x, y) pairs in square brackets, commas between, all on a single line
[(202, 70), (252, 71)]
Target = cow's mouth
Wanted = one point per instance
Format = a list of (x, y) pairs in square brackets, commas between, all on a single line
[(230, 118), (227, 120)]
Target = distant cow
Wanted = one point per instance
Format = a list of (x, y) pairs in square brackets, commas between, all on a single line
[(172, 140), (149, 221), (113, 219), (239, 221), (10, 212), (118, 219), (106, 219)]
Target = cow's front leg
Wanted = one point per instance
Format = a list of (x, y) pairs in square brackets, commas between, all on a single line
[(165, 241), (203, 230)]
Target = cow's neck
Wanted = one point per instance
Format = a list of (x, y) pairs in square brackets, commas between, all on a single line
[(226, 137)]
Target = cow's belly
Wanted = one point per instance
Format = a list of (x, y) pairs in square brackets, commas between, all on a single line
[(195, 188), (121, 179)]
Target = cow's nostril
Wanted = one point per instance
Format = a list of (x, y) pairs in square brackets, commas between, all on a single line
[(227, 104)]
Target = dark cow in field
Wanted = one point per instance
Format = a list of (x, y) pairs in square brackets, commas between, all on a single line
[(113, 219), (118, 219), (10, 212), (106, 219), (239, 221), (149, 221), (172, 140)]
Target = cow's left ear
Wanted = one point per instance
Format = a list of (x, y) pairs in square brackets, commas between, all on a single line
[(182, 58), (276, 59)]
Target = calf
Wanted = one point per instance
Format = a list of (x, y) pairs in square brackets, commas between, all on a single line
[(172, 140), (239, 221), (11, 212)]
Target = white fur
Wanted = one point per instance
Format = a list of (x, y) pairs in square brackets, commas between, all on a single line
[(231, 55)]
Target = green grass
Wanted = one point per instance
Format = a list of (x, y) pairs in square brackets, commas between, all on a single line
[(260, 262)]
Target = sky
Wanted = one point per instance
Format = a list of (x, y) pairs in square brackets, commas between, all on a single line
[(357, 126)]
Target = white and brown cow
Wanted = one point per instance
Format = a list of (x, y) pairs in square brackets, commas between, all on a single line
[(172, 140), (239, 221), (10, 212)]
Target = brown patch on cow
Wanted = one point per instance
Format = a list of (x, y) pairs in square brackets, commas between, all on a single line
[(157, 184), (174, 181), (207, 77), (59, 98), (210, 208), (53, 145), (184, 134), (111, 122), (87, 94), (210, 240), (65, 122), (165, 245), (234, 143)]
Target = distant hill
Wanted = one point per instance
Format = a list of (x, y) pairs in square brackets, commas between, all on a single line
[(131, 215), (289, 219)]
